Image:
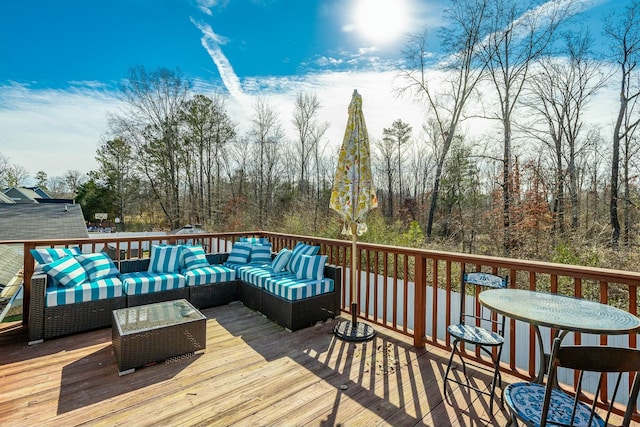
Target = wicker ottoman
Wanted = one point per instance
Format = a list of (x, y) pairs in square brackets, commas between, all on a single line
[(156, 332)]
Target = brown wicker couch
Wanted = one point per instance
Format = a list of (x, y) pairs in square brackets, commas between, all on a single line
[(49, 322)]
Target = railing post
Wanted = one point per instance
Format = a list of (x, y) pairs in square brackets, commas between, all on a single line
[(27, 271), (420, 303)]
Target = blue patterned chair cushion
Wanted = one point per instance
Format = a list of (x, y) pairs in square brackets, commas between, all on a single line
[(526, 400), (261, 254), (311, 267), (66, 271), (144, 282), (48, 255), (209, 274), (299, 250), (165, 259), (255, 240), (281, 260), (474, 334), (293, 289), (98, 266), (88, 291), (258, 276), (192, 257), (240, 253)]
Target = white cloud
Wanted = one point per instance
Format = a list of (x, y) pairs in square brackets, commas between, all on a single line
[(205, 6), (53, 130)]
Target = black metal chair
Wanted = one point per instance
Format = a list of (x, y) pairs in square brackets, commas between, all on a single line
[(539, 405), (469, 330)]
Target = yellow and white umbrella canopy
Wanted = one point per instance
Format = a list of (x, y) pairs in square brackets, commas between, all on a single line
[(354, 195)]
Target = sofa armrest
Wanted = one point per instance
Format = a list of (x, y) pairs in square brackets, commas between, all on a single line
[(36, 307), (335, 272)]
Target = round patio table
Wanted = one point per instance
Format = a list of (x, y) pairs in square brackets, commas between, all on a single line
[(564, 314)]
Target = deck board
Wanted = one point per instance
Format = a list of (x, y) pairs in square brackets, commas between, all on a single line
[(253, 373)]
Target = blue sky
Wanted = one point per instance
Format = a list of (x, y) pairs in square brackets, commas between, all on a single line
[(61, 62)]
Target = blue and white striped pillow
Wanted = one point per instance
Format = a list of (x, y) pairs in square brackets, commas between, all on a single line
[(255, 240), (299, 250), (261, 253), (281, 260), (98, 266), (240, 253), (311, 267), (48, 255), (193, 257), (66, 271), (165, 259)]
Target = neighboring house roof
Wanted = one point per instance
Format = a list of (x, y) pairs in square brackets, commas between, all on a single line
[(10, 263), (40, 192), (6, 199), (23, 221), (22, 195), (189, 229)]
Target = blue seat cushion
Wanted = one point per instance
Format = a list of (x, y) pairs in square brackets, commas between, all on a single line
[(209, 274), (144, 282), (293, 289), (526, 400), (475, 335), (110, 287), (258, 276)]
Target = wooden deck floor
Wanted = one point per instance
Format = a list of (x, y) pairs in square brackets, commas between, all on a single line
[(252, 373)]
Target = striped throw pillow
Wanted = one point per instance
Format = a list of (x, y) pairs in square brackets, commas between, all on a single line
[(255, 240), (311, 267), (261, 253), (299, 250), (240, 253), (47, 255), (66, 271), (193, 257), (281, 260), (98, 266), (165, 259)]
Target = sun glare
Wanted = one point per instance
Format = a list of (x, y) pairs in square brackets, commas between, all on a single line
[(381, 21)]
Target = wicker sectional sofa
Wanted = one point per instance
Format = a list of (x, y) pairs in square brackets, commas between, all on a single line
[(219, 285)]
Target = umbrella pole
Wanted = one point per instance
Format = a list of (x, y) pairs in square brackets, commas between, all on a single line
[(352, 330), (354, 277)]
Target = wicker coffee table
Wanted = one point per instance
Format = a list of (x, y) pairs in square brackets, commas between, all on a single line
[(156, 332)]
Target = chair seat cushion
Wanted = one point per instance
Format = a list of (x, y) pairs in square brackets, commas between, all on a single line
[(475, 335), (110, 287), (526, 400), (209, 274), (144, 282), (294, 289), (258, 276)]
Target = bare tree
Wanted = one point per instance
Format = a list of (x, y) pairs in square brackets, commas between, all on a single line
[(266, 133), (399, 134), (150, 122), (559, 89), (446, 100), (385, 162), (520, 33), (623, 32), (309, 132)]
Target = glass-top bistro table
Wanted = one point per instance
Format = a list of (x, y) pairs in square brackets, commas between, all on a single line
[(563, 313)]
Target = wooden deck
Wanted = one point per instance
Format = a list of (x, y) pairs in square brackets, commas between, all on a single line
[(252, 373)]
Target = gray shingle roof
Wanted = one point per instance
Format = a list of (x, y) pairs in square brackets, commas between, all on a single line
[(10, 262), (41, 221)]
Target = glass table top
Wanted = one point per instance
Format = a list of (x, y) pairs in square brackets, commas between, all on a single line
[(559, 311), (136, 319)]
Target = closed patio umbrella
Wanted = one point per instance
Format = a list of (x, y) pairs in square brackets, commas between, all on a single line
[(353, 196)]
